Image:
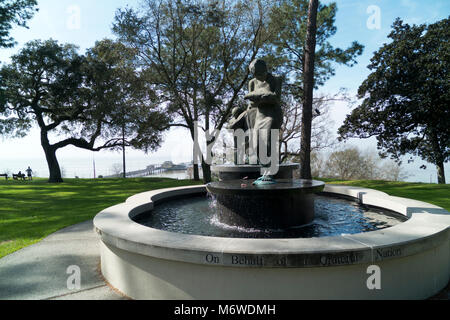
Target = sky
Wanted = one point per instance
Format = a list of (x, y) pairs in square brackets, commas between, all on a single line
[(83, 22)]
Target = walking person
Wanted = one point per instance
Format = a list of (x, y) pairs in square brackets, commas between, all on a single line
[(29, 173)]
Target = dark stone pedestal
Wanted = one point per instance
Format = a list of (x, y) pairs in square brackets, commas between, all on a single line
[(235, 172), (286, 204)]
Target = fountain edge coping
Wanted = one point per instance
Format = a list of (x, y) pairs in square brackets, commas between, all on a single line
[(428, 227), (249, 167)]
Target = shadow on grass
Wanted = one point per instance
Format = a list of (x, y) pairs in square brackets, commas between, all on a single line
[(31, 210)]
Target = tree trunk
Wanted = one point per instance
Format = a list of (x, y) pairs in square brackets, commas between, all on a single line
[(206, 172), (195, 156), (441, 172), (53, 165), (308, 86), (206, 168), (438, 156), (52, 162), (196, 173), (123, 150)]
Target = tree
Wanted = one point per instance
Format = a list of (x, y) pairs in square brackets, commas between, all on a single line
[(196, 56), (352, 164), (321, 134), (345, 164), (117, 169), (301, 30), (392, 171), (308, 89), (78, 97), (14, 12), (318, 165), (407, 95), (123, 98)]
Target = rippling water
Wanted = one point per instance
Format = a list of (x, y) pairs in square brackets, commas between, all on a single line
[(198, 216)]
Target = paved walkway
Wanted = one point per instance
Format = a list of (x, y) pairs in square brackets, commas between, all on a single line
[(40, 271)]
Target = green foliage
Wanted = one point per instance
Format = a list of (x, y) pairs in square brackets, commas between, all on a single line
[(195, 54), (407, 95), (122, 99), (97, 101), (14, 12), (288, 25), (39, 84), (31, 210), (300, 47)]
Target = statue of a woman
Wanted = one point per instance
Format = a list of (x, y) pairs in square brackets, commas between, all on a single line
[(264, 95)]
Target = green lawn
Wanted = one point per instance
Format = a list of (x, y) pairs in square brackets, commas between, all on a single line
[(432, 193), (31, 210)]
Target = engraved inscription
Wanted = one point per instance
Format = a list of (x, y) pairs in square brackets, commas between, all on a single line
[(388, 253), (247, 260), (335, 260), (212, 259), (282, 262)]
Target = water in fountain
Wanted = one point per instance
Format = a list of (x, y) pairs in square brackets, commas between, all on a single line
[(200, 216)]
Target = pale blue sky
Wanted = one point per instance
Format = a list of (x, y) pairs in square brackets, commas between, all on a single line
[(55, 20)]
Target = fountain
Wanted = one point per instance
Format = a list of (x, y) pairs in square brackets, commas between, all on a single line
[(272, 237), (274, 200)]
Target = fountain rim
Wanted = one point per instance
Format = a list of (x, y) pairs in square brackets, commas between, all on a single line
[(283, 187), (249, 167), (428, 227)]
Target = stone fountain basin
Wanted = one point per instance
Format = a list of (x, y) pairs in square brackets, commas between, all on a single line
[(145, 263), (288, 203)]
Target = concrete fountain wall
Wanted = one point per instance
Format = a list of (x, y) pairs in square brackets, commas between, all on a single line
[(145, 263)]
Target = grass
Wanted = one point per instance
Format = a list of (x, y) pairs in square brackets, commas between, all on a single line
[(436, 194), (31, 210)]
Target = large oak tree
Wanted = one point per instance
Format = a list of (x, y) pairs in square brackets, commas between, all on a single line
[(407, 95), (81, 98)]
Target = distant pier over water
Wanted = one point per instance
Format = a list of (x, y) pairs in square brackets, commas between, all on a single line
[(166, 169)]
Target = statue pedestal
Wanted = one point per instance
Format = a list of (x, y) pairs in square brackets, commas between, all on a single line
[(236, 172)]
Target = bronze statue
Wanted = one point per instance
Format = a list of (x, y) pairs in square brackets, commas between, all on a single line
[(264, 112)]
